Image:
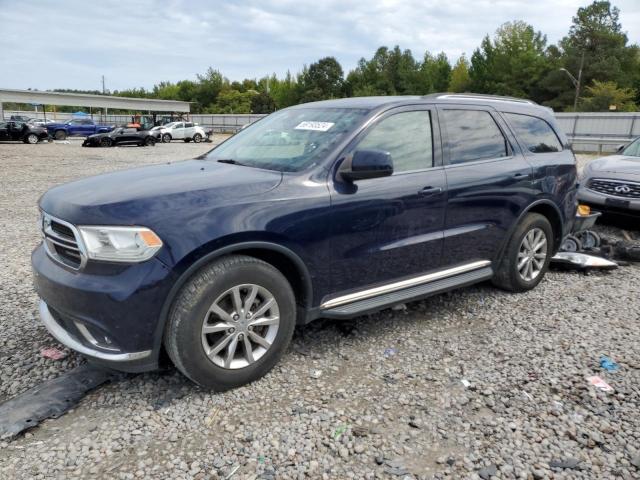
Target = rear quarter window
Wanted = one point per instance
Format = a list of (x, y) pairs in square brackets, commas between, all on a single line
[(536, 134)]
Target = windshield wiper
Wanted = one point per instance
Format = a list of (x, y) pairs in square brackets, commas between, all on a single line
[(230, 161)]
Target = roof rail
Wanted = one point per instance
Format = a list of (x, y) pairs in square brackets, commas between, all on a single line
[(474, 96)]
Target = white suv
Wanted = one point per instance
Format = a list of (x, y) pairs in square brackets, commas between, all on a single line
[(186, 131)]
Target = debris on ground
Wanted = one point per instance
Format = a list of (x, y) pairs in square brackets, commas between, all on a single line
[(600, 384), (582, 261), (315, 373), (50, 399), (389, 352), (53, 353), (608, 364), (567, 463)]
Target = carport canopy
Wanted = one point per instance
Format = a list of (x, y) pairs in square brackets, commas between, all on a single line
[(94, 101)]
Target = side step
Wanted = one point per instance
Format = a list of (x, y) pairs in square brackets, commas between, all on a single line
[(408, 294)]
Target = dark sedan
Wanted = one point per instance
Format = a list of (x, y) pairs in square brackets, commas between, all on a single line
[(22, 132), (121, 136)]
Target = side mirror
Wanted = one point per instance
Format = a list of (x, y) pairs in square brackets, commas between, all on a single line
[(366, 164), (619, 148)]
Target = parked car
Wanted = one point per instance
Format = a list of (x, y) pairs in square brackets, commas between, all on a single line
[(23, 132), (329, 209), (19, 118), (161, 134), (121, 136), (612, 183), (41, 122), (185, 131), (77, 127)]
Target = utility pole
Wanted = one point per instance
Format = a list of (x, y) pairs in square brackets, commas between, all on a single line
[(576, 81), (103, 89)]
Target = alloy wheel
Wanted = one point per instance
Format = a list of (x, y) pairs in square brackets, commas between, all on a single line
[(240, 326), (532, 254)]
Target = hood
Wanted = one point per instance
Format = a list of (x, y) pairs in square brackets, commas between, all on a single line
[(621, 164), (142, 196), (99, 135)]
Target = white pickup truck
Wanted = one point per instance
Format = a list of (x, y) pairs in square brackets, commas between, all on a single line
[(186, 131)]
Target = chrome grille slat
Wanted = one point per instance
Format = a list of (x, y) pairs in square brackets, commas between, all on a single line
[(62, 242), (615, 188)]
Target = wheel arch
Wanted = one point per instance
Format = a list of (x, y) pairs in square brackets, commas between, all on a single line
[(550, 211), (281, 257)]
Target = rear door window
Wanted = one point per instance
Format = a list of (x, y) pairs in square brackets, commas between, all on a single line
[(536, 134), (473, 135), (406, 136)]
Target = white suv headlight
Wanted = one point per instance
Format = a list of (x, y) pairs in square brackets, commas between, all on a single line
[(120, 244)]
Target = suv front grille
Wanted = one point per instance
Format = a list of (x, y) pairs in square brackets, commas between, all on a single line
[(61, 242), (615, 188)]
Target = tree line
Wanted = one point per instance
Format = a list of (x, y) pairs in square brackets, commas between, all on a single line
[(516, 61)]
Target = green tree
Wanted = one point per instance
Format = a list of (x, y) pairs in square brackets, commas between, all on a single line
[(460, 80), (435, 73), (513, 63), (601, 96), (322, 80), (262, 102), (597, 45), (207, 89), (232, 101)]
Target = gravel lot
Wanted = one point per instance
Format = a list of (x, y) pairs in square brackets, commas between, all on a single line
[(378, 397)]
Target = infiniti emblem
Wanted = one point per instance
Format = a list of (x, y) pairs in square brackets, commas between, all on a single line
[(622, 189)]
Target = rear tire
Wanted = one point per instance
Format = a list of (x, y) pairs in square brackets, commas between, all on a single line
[(32, 139), (150, 142), (60, 135), (527, 255), (193, 311)]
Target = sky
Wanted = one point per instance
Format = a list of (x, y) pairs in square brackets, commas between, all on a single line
[(71, 44)]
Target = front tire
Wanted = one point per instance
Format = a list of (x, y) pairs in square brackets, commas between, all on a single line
[(166, 138), (231, 322), (197, 138), (105, 142), (527, 255)]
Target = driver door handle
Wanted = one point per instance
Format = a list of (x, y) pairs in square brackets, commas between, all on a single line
[(429, 191)]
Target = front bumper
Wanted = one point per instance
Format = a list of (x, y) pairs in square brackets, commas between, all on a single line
[(609, 203), (110, 313)]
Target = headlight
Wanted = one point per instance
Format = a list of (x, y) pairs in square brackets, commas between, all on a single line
[(120, 244)]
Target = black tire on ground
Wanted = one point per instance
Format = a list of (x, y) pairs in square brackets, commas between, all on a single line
[(187, 140), (183, 332), (166, 138), (507, 275), (32, 139), (60, 135), (150, 142), (197, 138), (105, 142)]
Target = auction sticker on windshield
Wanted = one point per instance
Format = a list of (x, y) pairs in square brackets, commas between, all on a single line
[(317, 126)]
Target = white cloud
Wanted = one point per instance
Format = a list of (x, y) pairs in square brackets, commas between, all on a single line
[(72, 43)]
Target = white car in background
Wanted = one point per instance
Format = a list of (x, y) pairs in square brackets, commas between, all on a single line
[(186, 131)]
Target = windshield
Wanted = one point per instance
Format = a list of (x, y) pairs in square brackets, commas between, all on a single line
[(289, 140), (632, 149)]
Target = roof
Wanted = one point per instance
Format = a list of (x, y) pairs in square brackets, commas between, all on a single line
[(370, 103), (89, 100)]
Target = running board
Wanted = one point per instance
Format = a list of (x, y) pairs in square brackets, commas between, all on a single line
[(416, 292)]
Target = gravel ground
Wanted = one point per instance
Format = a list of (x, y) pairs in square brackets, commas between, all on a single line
[(381, 396)]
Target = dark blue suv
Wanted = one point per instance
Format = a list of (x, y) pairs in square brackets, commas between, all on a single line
[(329, 209)]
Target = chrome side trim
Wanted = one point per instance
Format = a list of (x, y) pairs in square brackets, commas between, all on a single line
[(410, 282), (67, 340)]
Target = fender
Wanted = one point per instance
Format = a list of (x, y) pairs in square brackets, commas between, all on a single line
[(513, 227), (182, 279)]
